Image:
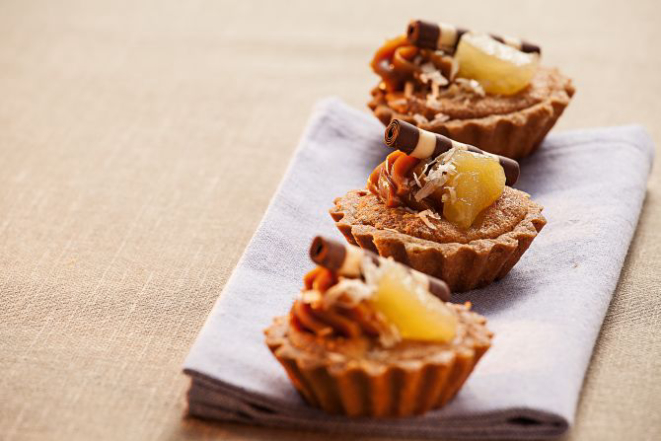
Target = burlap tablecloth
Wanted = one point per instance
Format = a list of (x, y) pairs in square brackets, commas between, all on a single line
[(140, 143)]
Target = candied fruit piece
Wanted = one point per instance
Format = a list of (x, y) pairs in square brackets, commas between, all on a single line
[(499, 68), (417, 314), (476, 183)]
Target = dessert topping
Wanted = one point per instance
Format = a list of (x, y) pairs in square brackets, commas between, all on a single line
[(423, 144), (458, 183), (434, 174), (354, 292), (347, 261), (405, 303), (475, 182), (498, 67), (445, 36), (420, 70)]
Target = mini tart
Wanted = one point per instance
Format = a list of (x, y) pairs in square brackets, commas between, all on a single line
[(356, 377), (464, 259), (507, 125)]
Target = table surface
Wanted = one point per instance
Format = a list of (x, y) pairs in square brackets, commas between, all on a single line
[(140, 143)]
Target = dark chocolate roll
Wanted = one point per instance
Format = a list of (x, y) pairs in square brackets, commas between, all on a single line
[(423, 34), (341, 258), (328, 253), (434, 36), (422, 144)]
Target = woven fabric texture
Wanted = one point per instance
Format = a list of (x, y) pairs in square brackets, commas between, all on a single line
[(140, 143)]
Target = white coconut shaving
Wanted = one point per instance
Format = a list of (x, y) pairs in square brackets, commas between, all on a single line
[(436, 174), (450, 194), (432, 101), (408, 89), (347, 292), (417, 180), (435, 91), (399, 102), (455, 69), (311, 296), (423, 215), (430, 73), (472, 86), (420, 119), (440, 118), (336, 357)]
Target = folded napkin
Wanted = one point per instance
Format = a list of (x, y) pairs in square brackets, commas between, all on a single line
[(546, 313)]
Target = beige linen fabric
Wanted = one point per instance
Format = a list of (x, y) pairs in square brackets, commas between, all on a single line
[(140, 143)]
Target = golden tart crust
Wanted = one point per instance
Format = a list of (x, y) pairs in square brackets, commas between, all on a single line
[(512, 126), (464, 259), (356, 377)]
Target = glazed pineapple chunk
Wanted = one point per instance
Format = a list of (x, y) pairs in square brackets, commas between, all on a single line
[(416, 313), (499, 68), (477, 182)]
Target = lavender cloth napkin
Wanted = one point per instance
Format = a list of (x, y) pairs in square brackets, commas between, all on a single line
[(546, 314)]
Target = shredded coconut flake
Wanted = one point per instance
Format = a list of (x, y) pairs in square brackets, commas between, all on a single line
[(423, 215), (470, 86), (440, 118), (435, 90), (433, 103), (431, 73), (436, 177), (455, 69), (420, 119), (417, 180), (436, 173), (348, 292), (336, 357), (399, 102), (451, 194), (311, 296), (408, 89)]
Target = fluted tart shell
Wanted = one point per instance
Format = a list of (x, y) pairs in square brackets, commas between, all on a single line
[(464, 259), (512, 126), (359, 378)]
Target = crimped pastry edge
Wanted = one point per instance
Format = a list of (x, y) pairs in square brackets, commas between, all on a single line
[(463, 266), (515, 135), (397, 390)]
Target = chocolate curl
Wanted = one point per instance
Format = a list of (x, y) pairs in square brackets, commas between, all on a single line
[(423, 144), (347, 260), (428, 35)]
